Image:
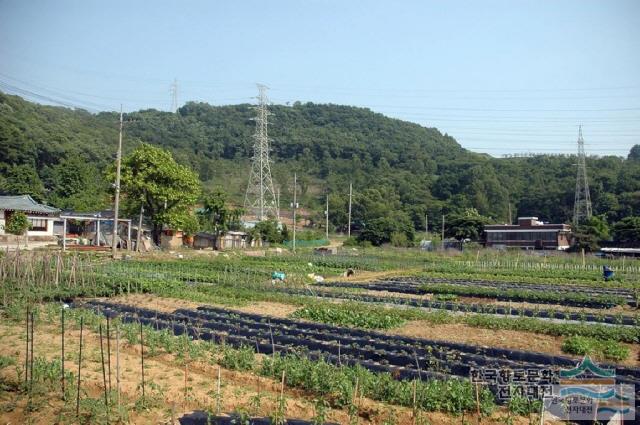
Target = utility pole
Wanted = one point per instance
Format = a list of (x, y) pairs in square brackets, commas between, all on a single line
[(350, 193), (443, 232), (295, 206), (510, 219), (278, 203), (114, 240), (426, 226), (582, 205), (326, 217), (139, 238)]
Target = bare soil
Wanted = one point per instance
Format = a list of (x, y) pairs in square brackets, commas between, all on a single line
[(515, 340)]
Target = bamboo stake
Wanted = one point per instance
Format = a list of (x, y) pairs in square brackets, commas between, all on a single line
[(142, 357), (415, 410), (184, 406), (109, 353), (79, 369), (104, 374), (62, 353), (218, 391), (282, 388), (478, 402), (26, 356), (118, 365), (31, 355)]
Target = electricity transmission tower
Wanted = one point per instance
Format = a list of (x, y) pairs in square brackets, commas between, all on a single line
[(173, 89), (260, 199), (582, 205)]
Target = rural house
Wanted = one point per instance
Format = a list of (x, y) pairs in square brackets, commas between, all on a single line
[(529, 233), (41, 217)]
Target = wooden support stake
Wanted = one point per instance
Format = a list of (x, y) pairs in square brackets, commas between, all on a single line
[(118, 365), (26, 355), (31, 355), (478, 402), (282, 388), (109, 354), (62, 353), (142, 357), (219, 394), (104, 373), (186, 372), (79, 369), (415, 407)]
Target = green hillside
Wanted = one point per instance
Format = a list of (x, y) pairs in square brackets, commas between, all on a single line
[(59, 155)]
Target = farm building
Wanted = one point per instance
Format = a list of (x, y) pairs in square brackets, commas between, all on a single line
[(92, 229), (529, 233), (41, 217), (229, 240)]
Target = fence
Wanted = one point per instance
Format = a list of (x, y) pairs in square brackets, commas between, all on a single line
[(306, 244)]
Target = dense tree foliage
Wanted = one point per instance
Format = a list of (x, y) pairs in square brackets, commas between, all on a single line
[(216, 215), (394, 165), (166, 189), (589, 234), (17, 224), (466, 225), (627, 230)]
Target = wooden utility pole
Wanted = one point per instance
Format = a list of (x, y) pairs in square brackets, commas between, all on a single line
[(326, 219), (350, 193), (139, 236), (442, 231), (114, 240), (426, 226), (295, 206)]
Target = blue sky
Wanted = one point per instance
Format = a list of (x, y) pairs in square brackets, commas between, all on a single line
[(502, 77)]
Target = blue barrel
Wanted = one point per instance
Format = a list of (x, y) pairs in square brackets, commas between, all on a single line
[(607, 273)]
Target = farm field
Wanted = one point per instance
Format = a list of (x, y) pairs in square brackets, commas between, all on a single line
[(396, 343)]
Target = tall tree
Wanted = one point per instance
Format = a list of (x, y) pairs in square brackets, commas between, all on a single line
[(167, 190), (216, 215), (627, 230)]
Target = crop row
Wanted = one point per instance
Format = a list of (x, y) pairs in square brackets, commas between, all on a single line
[(404, 357), (473, 308), (200, 417), (622, 292), (534, 296)]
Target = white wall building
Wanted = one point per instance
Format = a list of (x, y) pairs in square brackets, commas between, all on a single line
[(41, 217)]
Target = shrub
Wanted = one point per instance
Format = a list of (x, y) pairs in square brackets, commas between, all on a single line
[(18, 223), (399, 239)]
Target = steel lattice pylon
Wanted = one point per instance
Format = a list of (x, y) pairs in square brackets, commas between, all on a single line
[(582, 205), (260, 198)]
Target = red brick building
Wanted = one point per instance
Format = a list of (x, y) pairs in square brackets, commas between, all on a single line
[(529, 233)]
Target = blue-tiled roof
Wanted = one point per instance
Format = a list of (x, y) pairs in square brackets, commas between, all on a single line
[(25, 203)]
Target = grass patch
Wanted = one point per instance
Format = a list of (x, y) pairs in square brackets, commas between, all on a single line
[(352, 315)]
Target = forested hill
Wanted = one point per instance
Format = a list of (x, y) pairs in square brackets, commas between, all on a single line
[(59, 155)]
